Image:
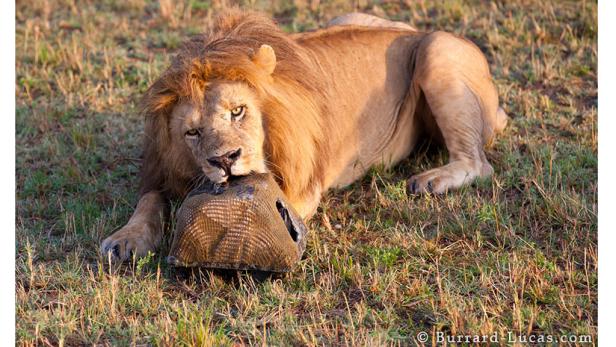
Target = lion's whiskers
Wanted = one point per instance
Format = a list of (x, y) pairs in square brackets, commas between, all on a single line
[(196, 181), (272, 164)]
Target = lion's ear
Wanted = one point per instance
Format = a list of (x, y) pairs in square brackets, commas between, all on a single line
[(266, 58)]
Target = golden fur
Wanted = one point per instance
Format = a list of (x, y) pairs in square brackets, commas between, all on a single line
[(224, 53), (320, 109)]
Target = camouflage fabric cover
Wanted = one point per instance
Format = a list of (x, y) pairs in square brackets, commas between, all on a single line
[(245, 224)]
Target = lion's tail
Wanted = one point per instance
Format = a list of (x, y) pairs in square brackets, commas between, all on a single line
[(501, 119)]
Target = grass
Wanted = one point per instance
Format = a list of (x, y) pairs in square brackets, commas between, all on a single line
[(514, 254)]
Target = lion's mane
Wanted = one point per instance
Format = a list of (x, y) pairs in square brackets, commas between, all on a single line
[(293, 100)]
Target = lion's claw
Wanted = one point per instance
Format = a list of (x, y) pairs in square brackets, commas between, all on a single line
[(132, 240), (414, 187), (116, 251)]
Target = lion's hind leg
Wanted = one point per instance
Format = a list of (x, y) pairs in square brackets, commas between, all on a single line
[(458, 118), (454, 78)]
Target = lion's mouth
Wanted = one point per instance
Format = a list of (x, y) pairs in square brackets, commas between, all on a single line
[(238, 169), (222, 176)]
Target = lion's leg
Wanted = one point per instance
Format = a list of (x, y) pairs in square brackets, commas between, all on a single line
[(454, 77), (307, 205), (142, 233)]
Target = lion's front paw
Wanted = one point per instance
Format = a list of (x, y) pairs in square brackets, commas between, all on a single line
[(133, 239)]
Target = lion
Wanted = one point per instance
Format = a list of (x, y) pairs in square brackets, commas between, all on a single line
[(315, 109)]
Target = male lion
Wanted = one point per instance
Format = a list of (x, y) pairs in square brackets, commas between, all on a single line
[(316, 109)]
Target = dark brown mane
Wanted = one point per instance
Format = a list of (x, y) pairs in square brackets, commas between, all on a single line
[(293, 101)]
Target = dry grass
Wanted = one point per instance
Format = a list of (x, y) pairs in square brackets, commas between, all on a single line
[(516, 254)]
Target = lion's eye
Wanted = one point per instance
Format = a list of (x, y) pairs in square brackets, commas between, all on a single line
[(192, 133), (238, 112)]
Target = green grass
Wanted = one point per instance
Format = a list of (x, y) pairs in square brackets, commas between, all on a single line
[(514, 254)]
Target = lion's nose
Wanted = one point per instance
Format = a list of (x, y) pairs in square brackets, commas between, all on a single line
[(226, 160)]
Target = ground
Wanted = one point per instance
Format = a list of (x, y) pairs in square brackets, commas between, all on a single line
[(517, 253)]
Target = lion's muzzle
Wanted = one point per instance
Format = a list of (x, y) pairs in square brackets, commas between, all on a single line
[(226, 160), (243, 225)]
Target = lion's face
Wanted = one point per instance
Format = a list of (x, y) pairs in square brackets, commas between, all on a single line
[(225, 133)]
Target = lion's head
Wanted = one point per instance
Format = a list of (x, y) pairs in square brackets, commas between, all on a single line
[(242, 98), (224, 133)]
